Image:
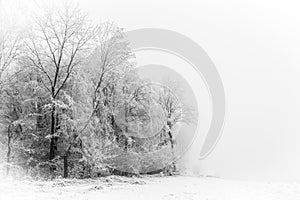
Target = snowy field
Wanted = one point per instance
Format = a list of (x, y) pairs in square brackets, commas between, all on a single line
[(165, 188)]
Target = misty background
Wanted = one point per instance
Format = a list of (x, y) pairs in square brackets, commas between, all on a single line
[(255, 47)]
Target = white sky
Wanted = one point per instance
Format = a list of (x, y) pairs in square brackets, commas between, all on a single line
[(255, 46)]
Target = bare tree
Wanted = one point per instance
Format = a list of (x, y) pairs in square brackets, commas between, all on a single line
[(105, 72), (100, 78), (58, 43), (175, 111), (10, 43)]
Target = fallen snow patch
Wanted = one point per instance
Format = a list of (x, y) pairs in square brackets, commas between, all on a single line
[(148, 187)]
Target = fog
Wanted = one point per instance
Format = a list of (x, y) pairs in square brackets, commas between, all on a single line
[(255, 47)]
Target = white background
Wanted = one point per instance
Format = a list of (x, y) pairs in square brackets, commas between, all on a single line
[(256, 48)]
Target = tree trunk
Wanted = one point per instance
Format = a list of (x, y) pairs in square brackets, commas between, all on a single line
[(172, 147), (52, 140), (66, 172), (171, 140), (66, 164), (9, 136)]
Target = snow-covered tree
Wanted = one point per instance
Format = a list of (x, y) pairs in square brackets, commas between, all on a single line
[(58, 43)]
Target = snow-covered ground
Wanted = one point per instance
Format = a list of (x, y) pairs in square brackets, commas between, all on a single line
[(165, 188)]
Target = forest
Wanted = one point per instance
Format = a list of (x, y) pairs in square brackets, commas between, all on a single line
[(74, 106)]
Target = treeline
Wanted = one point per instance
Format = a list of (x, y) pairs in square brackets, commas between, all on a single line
[(73, 105)]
